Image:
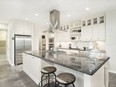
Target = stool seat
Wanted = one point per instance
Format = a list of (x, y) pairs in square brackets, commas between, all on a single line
[(65, 78), (47, 73), (48, 70)]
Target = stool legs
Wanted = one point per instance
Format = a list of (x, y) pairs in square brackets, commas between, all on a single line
[(55, 79), (48, 80), (73, 85), (42, 80)]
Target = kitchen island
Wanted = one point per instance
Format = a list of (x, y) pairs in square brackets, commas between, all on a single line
[(89, 72)]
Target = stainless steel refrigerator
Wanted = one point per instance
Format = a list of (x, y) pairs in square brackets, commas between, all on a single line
[(21, 43)]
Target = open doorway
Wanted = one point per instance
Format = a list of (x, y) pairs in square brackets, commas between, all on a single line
[(3, 42)]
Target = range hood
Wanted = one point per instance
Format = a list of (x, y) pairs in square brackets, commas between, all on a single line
[(54, 19)]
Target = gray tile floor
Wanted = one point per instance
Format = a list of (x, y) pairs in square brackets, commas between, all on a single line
[(112, 80), (15, 77)]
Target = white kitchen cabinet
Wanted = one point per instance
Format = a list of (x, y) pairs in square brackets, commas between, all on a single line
[(99, 28), (29, 30), (25, 29), (32, 67), (89, 34), (61, 36), (102, 27), (102, 32), (84, 34), (27, 60), (93, 28), (95, 34), (86, 29), (19, 29), (37, 69)]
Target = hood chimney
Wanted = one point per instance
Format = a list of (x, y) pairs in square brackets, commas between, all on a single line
[(54, 19)]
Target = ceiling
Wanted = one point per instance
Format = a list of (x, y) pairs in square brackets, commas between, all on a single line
[(21, 9)]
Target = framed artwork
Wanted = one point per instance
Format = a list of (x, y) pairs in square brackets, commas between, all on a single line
[(83, 23), (88, 22), (95, 21), (101, 19)]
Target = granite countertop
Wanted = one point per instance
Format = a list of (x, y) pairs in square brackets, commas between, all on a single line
[(74, 61), (72, 49)]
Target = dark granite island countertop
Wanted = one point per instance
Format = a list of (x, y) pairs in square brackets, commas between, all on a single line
[(82, 64)]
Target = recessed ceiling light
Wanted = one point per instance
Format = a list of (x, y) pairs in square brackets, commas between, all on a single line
[(36, 14), (26, 19), (87, 8), (60, 0), (68, 15), (47, 23)]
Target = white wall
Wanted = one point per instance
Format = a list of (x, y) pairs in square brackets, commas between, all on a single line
[(2, 35), (111, 38), (16, 27), (37, 32), (3, 26), (10, 44)]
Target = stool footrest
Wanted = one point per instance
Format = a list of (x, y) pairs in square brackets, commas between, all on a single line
[(52, 80)]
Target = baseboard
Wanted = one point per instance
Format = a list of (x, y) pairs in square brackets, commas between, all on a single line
[(10, 62), (112, 71)]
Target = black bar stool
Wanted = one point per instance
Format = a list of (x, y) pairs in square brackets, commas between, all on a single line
[(49, 70), (65, 79)]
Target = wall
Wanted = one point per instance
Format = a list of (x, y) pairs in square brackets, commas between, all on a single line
[(111, 38), (10, 43), (3, 26), (37, 32), (3, 42), (2, 35), (17, 27)]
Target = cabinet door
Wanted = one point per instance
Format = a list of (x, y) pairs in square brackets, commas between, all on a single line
[(37, 68), (102, 31), (25, 28), (95, 34), (31, 64), (89, 33), (84, 34), (25, 61), (19, 28), (28, 30), (28, 63)]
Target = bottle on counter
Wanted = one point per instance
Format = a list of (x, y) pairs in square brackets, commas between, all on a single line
[(60, 45), (70, 46)]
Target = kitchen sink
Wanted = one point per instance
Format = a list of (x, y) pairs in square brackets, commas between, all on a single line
[(80, 54)]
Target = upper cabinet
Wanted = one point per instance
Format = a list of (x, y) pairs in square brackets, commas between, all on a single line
[(86, 34), (93, 28), (23, 28), (102, 27), (86, 29)]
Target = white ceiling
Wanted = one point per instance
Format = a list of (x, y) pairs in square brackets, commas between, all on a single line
[(21, 9)]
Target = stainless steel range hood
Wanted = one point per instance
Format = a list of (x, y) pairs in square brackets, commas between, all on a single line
[(54, 19)]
